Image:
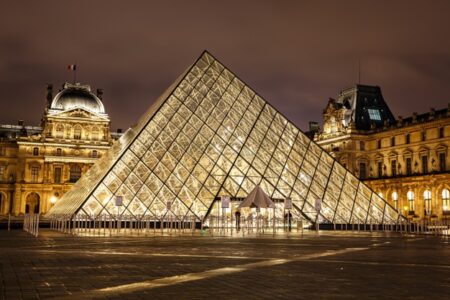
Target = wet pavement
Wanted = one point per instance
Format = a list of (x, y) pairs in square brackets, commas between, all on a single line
[(328, 265)]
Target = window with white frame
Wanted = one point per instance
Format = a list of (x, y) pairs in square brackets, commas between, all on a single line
[(395, 199), (427, 201), (410, 197), (446, 200)]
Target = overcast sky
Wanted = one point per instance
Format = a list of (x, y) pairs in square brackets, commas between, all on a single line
[(296, 54)]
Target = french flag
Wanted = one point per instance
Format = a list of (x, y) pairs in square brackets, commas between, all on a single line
[(72, 67)]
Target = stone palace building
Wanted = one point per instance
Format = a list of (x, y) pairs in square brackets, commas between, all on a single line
[(39, 164), (405, 160)]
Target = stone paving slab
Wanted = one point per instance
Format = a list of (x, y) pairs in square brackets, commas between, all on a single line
[(328, 265)]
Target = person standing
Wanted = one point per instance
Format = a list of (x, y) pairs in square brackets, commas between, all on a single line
[(237, 215)]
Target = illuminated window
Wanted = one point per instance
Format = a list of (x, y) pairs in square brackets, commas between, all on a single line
[(395, 199), (446, 200), (410, 197), (374, 114), (427, 201)]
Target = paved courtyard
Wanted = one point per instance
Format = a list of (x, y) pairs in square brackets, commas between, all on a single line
[(328, 265)]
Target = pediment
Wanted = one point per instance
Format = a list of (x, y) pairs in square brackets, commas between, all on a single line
[(77, 113)]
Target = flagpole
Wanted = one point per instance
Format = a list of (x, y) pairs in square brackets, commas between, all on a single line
[(75, 74)]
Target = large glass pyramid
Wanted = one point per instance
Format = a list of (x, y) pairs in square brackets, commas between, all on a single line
[(211, 135)]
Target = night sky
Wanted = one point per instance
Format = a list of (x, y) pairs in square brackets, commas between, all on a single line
[(296, 54)]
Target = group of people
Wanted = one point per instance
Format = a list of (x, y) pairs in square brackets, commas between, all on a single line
[(287, 219)]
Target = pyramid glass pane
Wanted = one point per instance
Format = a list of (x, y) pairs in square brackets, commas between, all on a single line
[(209, 135)]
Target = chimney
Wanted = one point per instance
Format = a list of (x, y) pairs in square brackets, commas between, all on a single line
[(100, 94), (432, 113), (119, 130), (313, 126), (20, 122)]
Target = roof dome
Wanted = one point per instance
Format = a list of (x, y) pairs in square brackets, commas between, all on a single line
[(77, 96)]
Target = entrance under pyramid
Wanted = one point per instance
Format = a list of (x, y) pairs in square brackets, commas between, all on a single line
[(209, 136)]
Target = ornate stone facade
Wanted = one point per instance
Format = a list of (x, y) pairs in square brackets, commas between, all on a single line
[(39, 164), (405, 160)]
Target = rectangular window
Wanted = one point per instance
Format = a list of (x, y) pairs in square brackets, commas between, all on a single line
[(362, 171), (362, 146), (427, 206), (58, 174), (393, 141), (394, 168), (34, 174), (441, 132), (442, 162), (408, 166), (2, 151), (411, 206), (424, 164), (408, 139), (374, 114), (380, 169), (2, 173)]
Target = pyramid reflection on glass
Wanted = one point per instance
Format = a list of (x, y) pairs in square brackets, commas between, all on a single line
[(211, 135)]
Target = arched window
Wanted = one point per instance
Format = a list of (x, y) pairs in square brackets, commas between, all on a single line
[(410, 197), (395, 199), (58, 152), (35, 151), (75, 173), (446, 200), (427, 201), (77, 132)]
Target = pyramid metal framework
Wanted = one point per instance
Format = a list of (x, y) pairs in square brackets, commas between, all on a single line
[(211, 135)]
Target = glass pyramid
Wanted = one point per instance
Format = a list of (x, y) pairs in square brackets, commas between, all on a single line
[(211, 135)]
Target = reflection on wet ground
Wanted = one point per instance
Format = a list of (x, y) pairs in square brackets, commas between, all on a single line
[(310, 265)]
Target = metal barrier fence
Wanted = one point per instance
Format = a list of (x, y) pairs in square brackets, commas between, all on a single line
[(31, 224), (106, 225)]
